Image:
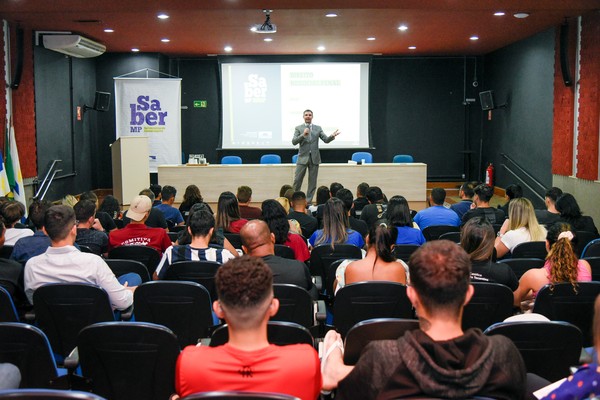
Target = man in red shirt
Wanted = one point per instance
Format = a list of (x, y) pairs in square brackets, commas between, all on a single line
[(248, 362), (136, 233)]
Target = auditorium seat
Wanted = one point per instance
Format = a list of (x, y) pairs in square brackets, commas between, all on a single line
[(8, 312), (229, 395), (362, 155), (280, 333), (294, 158), (530, 250), (122, 266), (592, 249), (231, 160), (402, 158), (46, 394), (270, 159)]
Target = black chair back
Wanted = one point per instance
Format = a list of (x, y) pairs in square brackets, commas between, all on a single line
[(44, 394), (240, 395), (295, 305), (404, 251), (129, 360), (595, 264), (549, 349), (183, 307), (278, 332), (561, 303), (374, 329), (592, 249), (173, 236), (284, 251), (147, 255), (491, 303), (323, 256), (451, 236), (8, 312), (367, 300), (119, 223), (6, 251), (178, 228), (234, 239), (85, 249), (331, 276), (583, 238), (26, 347), (530, 250), (121, 267), (63, 309), (433, 232), (202, 272), (522, 265)]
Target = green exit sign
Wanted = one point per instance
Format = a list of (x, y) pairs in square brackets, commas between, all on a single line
[(200, 103)]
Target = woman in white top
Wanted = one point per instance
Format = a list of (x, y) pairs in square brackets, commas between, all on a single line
[(520, 227)]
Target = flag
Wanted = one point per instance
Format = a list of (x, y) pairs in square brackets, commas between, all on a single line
[(4, 187), (13, 169)]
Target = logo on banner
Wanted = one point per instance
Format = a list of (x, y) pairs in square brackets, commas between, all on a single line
[(255, 89), (147, 115)]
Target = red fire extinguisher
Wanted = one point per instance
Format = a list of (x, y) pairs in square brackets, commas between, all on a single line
[(489, 175)]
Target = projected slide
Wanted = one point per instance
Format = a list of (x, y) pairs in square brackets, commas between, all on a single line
[(263, 103)]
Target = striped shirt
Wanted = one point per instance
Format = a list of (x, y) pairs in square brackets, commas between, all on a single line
[(189, 253)]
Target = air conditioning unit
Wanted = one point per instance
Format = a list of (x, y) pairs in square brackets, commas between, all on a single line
[(74, 45)]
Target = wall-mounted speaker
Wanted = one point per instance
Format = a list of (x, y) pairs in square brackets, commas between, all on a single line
[(102, 101), (487, 100), (564, 54)]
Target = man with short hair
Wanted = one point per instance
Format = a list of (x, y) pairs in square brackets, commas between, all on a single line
[(156, 190), (11, 275), (258, 241), (244, 196), (481, 206), (307, 222), (334, 187), (31, 246), (201, 228), (136, 233), (375, 210), (63, 263), (12, 212), (361, 200), (107, 222), (466, 199), (89, 229), (436, 214), (513, 191), (171, 213), (156, 218), (359, 226), (550, 215), (439, 359), (247, 362)]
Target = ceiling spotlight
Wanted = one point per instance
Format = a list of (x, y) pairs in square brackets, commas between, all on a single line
[(265, 27), (135, 50), (473, 38), (499, 13), (268, 39), (165, 40), (162, 16), (228, 49), (331, 15), (370, 38), (403, 28), (521, 15), (321, 48), (109, 30), (412, 47)]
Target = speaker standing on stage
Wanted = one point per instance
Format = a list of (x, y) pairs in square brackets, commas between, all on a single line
[(307, 136)]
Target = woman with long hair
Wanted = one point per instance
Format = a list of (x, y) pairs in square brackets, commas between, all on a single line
[(477, 238), (191, 196), (110, 205), (520, 227), (274, 215), (335, 227), (228, 214), (561, 265), (570, 212), (398, 215)]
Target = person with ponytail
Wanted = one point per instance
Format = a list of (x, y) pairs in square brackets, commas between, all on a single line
[(561, 266), (379, 264)]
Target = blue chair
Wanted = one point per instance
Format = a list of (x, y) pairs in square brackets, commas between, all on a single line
[(270, 159), (295, 158), (363, 155), (402, 158), (231, 160)]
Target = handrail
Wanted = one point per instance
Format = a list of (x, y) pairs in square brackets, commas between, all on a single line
[(523, 182), (524, 172), (47, 181)]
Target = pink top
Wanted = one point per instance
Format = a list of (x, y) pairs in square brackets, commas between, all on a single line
[(583, 275)]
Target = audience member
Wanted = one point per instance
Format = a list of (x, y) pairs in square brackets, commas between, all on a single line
[(481, 206), (375, 210), (12, 212), (550, 215), (570, 212), (323, 194), (335, 227), (107, 222), (137, 233), (439, 359), (201, 226), (156, 218), (284, 189), (334, 187), (172, 214), (275, 217), (258, 241), (191, 196), (110, 205), (156, 194), (228, 214), (288, 195), (11, 275), (514, 191), (244, 196), (520, 227), (561, 265), (285, 203), (466, 199), (398, 215), (89, 230), (436, 214), (477, 238), (248, 362), (361, 200), (359, 226), (307, 222), (64, 263), (31, 246)]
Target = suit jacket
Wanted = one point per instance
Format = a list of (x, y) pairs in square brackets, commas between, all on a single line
[(309, 146)]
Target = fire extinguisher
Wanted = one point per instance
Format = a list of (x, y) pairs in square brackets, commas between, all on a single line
[(489, 175)]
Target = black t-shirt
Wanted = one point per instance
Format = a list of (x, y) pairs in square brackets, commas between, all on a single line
[(373, 213), (108, 224), (493, 215), (307, 222), (487, 271), (359, 226)]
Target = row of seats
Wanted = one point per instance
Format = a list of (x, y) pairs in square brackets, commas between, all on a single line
[(360, 156)]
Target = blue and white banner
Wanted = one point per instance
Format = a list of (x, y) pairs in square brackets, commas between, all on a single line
[(151, 107)]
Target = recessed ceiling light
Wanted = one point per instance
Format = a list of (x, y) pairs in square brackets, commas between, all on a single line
[(412, 47), (499, 13), (331, 15), (162, 16), (403, 28), (370, 38), (165, 40), (521, 15), (109, 30), (321, 48), (268, 39), (228, 48), (473, 38), (135, 50)]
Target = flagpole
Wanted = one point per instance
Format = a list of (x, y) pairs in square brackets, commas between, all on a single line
[(7, 72)]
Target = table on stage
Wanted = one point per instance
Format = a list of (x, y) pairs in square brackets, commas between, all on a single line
[(408, 180)]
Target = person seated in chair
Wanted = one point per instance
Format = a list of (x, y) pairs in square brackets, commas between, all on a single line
[(156, 218), (247, 362), (172, 214), (439, 359), (466, 199), (481, 206), (31, 246), (12, 212), (550, 215), (307, 222), (89, 229), (244, 196), (436, 214)]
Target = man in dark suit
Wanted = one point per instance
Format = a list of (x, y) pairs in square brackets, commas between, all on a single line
[(307, 136)]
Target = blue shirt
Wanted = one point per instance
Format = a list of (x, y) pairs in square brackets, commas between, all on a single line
[(461, 207), (171, 213), (409, 235), (354, 238), (30, 246), (436, 215)]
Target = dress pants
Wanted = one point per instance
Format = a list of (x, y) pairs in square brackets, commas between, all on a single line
[(313, 171)]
